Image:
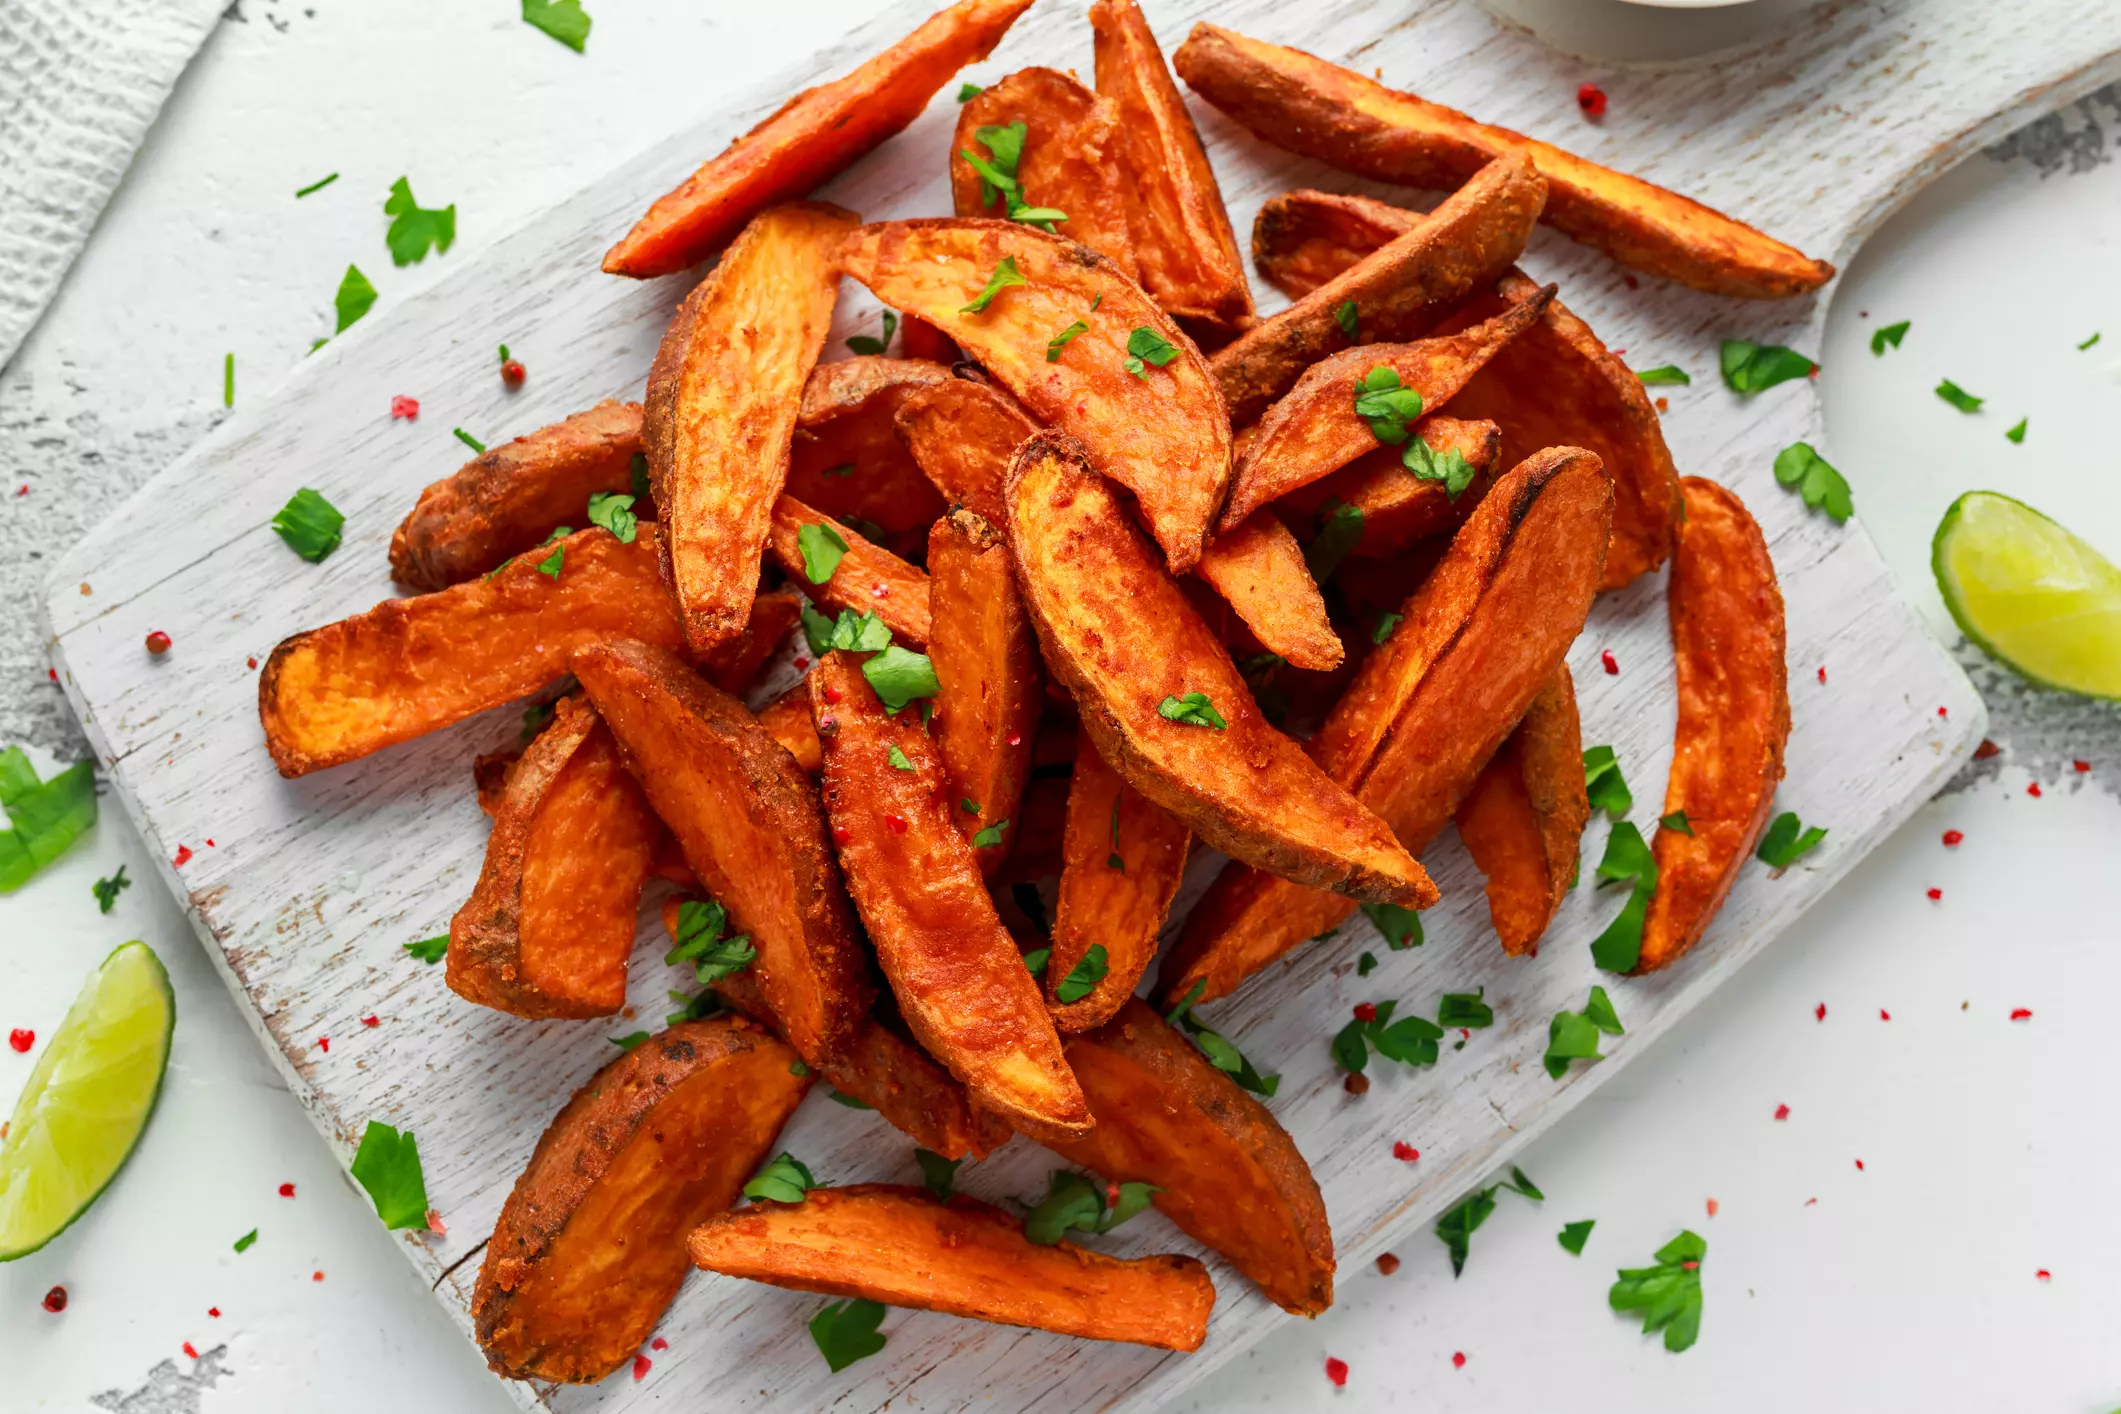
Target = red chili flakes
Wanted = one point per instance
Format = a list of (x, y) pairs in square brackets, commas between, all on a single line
[(158, 643), (21, 1039), (1017, 739), (512, 373), (1365, 1012), (316, 1276), (435, 1224), (287, 1190), (1987, 749), (1941, 712), (841, 834), (2083, 767), (1605, 657), (2021, 1014), (209, 843), (1815, 370), (832, 694), (1458, 1359), (1664, 405), (659, 1344), (1689, 1266), (55, 1300), (2043, 1275), (371, 1021), (250, 662), (801, 663), (1859, 1166), (402, 406), (1884, 1015), (1337, 1371), (1714, 1207), (183, 856), (1811, 1202), (53, 674), (1387, 1263), (1404, 1152), (324, 1044), (1954, 838), (2033, 790), (895, 823), (880, 591), (1820, 1013), (1782, 1111), (188, 1350), (1935, 894), (1822, 675), (214, 1311), (1591, 99)]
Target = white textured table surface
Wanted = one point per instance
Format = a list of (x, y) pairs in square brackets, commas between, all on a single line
[(1910, 1284)]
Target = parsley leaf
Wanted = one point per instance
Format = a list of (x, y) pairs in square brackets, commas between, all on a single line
[(1400, 926), (318, 185), (562, 19), (692, 1008), (1076, 1203), (414, 229), (968, 805), (990, 837), (1218, 1050), (1670, 373), (553, 563), (900, 676), (1603, 782), (1668, 1294), (846, 1331), (701, 924), (1523, 1186), (248, 1240), (430, 950), (1574, 1035), (1958, 397), (1573, 1235), (1676, 821), (107, 890), (354, 299), (2088, 343), (1386, 404), (1005, 275), (966, 92), (1366, 964), (1035, 961), (897, 758), (1083, 978), (629, 1040), (639, 469), (822, 548), (1619, 947), (1751, 368), (1194, 709), (1888, 335), (2017, 434), (939, 1173), (309, 524), (615, 514), (1447, 466), (1410, 1040), (1382, 629), (864, 344), (388, 1166), (841, 1097), (1457, 1226), (1339, 532), (467, 439), (1467, 1010), (1144, 343), (863, 633), (45, 816), (1626, 856), (997, 173), (1065, 337), (786, 1179), (1822, 487), (1350, 321), (1787, 841)]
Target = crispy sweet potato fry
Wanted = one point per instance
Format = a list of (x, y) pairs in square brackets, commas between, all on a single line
[(1303, 238), (411, 666), (917, 338), (847, 459), (1162, 434), (1730, 644), (1231, 1176), (721, 408), (589, 1248), (549, 927), (1259, 568), (747, 819), (1321, 110), (1397, 507), (962, 435), (986, 716), (1125, 640), (774, 616), (1041, 826), (507, 499), (1399, 291), (787, 719), (810, 139), (1429, 706), (1523, 819), (1071, 159), (1182, 236), (1314, 430), (959, 980), (906, 1247), (1122, 859), (869, 578)]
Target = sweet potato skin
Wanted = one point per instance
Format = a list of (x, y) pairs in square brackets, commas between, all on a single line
[(1317, 109), (906, 1247), (1232, 1178), (1071, 158), (549, 927), (508, 498), (963, 434), (986, 716), (787, 719), (412, 666), (1165, 436), (1303, 238), (1730, 643), (1397, 508), (587, 1253), (723, 396), (869, 579), (1122, 636), (1259, 568), (809, 139), (748, 822), (959, 980), (1523, 819), (846, 457)]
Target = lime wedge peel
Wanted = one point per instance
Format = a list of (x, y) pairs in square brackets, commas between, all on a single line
[(2033, 596), (87, 1101)]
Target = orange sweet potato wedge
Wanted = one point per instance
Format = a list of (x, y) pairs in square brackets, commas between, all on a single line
[(1397, 507), (846, 457), (906, 1247), (1231, 1176), (959, 980), (1259, 568), (788, 721), (917, 338), (811, 138), (720, 414), (985, 657), (963, 434), (1316, 109), (1523, 819), (1122, 858), (1731, 648), (1400, 290), (1303, 238), (1314, 430), (1431, 704), (1041, 827), (412, 666), (1123, 637), (1163, 434), (1070, 159), (867, 579), (589, 1249), (1182, 237), (774, 616), (508, 498), (748, 822), (550, 925)]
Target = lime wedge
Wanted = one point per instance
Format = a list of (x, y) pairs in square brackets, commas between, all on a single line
[(2037, 598), (87, 1101)]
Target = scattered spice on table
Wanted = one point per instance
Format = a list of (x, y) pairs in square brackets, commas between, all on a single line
[(1387, 1263), (21, 1039), (1935, 894), (1782, 1111), (371, 1021), (2043, 1275), (1612, 668), (1884, 1015), (1859, 1166), (55, 1300), (1953, 838), (1987, 749), (1820, 1012), (1404, 1152), (1458, 1359), (183, 856), (404, 407), (189, 1351), (324, 1044), (2033, 790), (1592, 100), (1714, 1207), (2021, 1014), (287, 1190), (1337, 1371), (158, 642)]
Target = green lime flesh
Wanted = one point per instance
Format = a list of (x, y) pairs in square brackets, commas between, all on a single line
[(2035, 597)]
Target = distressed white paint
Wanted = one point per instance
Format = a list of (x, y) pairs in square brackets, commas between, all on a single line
[(311, 887)]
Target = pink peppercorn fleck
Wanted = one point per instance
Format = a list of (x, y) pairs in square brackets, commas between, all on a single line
[(1935, 894), (1404, 1152), (1612, 667), (287, 1190), (21, 1039), (1953, 838), (1782, 1111), (404, 407), (641, 1366), (1337, 1371), (2033, 790), (2021, 1014), (1458, 1359), (1592, 100), (182, 857), (1820, 1012)]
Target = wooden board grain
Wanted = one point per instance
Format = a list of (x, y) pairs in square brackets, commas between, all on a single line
[(306, 891)]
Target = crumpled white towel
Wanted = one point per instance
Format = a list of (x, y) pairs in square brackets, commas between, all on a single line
[(80, 83)]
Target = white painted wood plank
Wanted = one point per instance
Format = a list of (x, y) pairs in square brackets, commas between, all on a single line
[(310, 888)]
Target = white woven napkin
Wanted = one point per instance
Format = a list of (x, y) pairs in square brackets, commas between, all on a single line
[(80, 83)]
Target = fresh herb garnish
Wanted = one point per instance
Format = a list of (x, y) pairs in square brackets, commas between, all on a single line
[(1573, 1235), (822, 548), (552, 564), (388, 1166), (846, 1331), (1400, 926), (692, 1008), (701, 924), (1603, 782), (1750, 368), (900, 676), (1888, 336), (535, 716), (841, 1097), (990, 837), (1387, 405), (615, 514), (997, 172), (1670, 373), (1035, 961), (865, 344), (1457, 1226), (1194, 709), (1144, 343), (2017, 434), (1823, 488), (896, 757), (354, 299), (966, 92), (1958, 397), (1627, 857), (1574, 1035), (639, 470), (107, 890), (44, 816), (228, 381), (1668, 1294), (1787, 841), (861, 633), (247, 1240), (786, 1179), (309, 524), (430, 949), (1465, 1010), (1065, 337), (467, 439), (1678, 822), (1448, 466), (562, 19), (629, 1040), (1075, 1203), (317, 185), (414, 229), (1005, 275), (1410, 1040), (1366, 964), (1350, 321), (1082, 979), (2088, 343), (1339, 532), (1218, 1050), (798, 1069), (1382, 629), (939, 1173)]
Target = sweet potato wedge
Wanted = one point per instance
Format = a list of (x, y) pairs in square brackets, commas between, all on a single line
[(1313, 430), (722, 400), (1316, 109), (508, 498), (959, 980), (1182, 237), (549, 927), (986, 716), (1303, 238), (811, 138), (1163, 434), (1431, 704), (1231, 1176), (1397, 507), (962, 434), (1731, 649), (747, 819), (1400, 291), (1122, 859), (868, 579), (1523, 819), (1122, 636), (917, 338), (1259, 568), (787, 719), (1071, 159), (846, 457), (906, 1247), (589, 1249), (412, 666), (1041, 827)]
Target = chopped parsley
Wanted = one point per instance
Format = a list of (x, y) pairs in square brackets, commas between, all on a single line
[(1888, 336), (1668, 1294), (1082, 979), (45, 816), (107, 890), (997, 171), (1194, 709), (1465, 1010), (1075, 1203), (700, 941), (1219, 1052), (1670, 373), (1574, 1035), (388, 1166), (2017, 434), (639, 468), (318, 185), (1627, 857), (864, 344), (900, 676), (1035, 961), (1678, 822), (1410, 1040), (1787, 841), (1457, 1226), (535, 716), (1387, 405), (797, 1069), (467, 439), (615, 513), (247, 1241), (1339, 532), (1400, 926), (564, 21), (822, 548), (939, 1173), (628, 1041), (968, 805), (992, 836), (966, 92), (1603, 782), (1448, 466), (430, 950), (1823, 488), (2088, 343), (1349, 318), (785, 1179), (841, 1097), (552, 564), (1065, 337), (1145, 344), (1366, 964), (1005, 275), (1751, 368), (354, 299), (1382, 629), (692, 1008), (310, 525), (897, 758), (846, 1331), (228, 381), (414, 229), (1958, 397), (862, 633), (1573, 1235)]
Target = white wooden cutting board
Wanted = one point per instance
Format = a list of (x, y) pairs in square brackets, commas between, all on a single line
[(306, 891)]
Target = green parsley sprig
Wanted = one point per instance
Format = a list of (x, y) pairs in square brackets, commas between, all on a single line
[(1193, 709), (700, 941), (1574, 1035), (846, 1331), (44, 817), (1668, 1294), (1456, 1227), (414, 230), (1787, 841), (309, 524), (1752, 368), (388, 1165), (1800, 467), (1075, 1203), (784, 1179), (1217, 1048), (1387, 405)]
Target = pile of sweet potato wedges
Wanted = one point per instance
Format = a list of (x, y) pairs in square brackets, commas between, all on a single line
[(1106, 566)]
